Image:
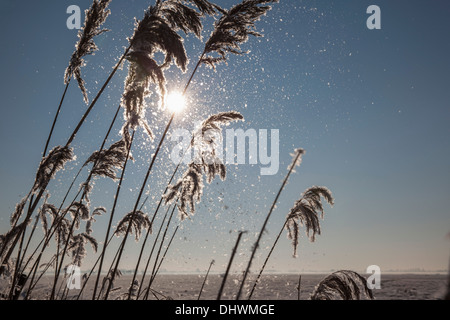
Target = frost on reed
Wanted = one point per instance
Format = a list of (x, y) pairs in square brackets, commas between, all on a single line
[(139, 222), (157, 32), (7, 238), (344, 285), (108, 162), (95, 17), (47, 209), (18, 211), (97, 211), (234, 29), (51, 164), (189, 189), (306, 212), (77, 247), (7, 269), (297, 158)]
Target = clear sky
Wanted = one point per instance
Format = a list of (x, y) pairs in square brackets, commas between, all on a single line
[(370, 107)]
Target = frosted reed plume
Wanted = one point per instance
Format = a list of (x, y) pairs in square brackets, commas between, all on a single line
[(157, 32), (6, 239), (343, 285), (51, 164), (77, 247), (108, 162), (233, 29), (78, 211), (297, 159), (306, 213), (47, 209), (139, 222), (189, 188), (97, 211), (95, 17), (18, 211)]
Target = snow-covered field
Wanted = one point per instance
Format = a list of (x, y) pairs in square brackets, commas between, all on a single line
[(271, 287)]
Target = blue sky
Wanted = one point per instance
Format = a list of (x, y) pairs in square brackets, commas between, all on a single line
[(371, 108)]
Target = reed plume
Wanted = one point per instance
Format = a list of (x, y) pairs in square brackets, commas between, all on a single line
[(156, 32), (108, 162), (6, 269), (206, 279), (97, 211), (77, 247), (233, 29), (51, 164), (297, 159), (7, 238), (189, 188), (343, 285), (95, 17), (49, 209), (78, 211), (205, 7), (18, 211), (139, 222), (306, 212)]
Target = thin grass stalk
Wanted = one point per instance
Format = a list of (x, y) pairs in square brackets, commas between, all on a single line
[(174, 173), (16, 268), (56, 118), (138, 200), (299, 287), (151, 252), (60, 287), (89, 109), (159, 252), (148, 232), (69, 142), (44, 239), (266, 260), (230, 262), (34, 283), (66, 245), (82, 198), (19, 258), (263, 228), (95, 266), (206, 278), (447, 295), (92, 270), (28, 242), (165, 254), (16, 239), (113, 210)]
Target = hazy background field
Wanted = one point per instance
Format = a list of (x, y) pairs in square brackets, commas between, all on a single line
[(275, 287)]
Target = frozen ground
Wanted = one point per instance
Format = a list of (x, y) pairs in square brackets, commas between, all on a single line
[(271, 287)]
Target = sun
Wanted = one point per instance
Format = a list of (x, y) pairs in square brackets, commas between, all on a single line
[(175, 102)]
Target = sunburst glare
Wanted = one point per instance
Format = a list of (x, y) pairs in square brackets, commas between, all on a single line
[(175, 102)]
